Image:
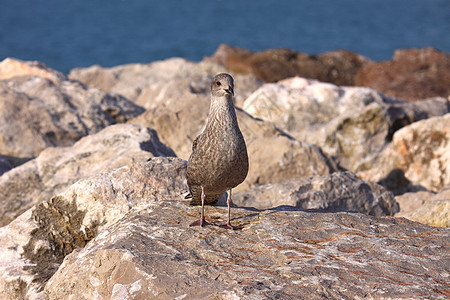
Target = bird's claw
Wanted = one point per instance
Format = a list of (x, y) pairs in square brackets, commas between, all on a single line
[(229, 226)]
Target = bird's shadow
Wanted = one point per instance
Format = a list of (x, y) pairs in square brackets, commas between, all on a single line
[(245, 219), (254, 212)]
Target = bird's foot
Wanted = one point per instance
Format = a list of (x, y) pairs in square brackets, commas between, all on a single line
[(229, 226), (201, 222)]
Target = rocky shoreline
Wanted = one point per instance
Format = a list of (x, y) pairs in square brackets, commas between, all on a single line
[(347, 194)]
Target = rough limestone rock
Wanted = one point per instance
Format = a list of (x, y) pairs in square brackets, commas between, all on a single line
[(146, 84), (353, 124), (420, 151), (33, 246), (35, 114), (412, 74), (279, 254), (55, 169), (426, 207), (338, 67), (340, 191), (11, 67), (196, 78), (129, 80), (273, 155), (409, 202)]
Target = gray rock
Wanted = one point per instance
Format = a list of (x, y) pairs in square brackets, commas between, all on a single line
[(425, 207), (147, 84), (33, 246), (420, 151), (36, 113), (55, 169), (129, 80), (12, 67), (353, 124), (340, 191)]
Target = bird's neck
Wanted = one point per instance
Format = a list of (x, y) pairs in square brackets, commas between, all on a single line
[(222, 111)]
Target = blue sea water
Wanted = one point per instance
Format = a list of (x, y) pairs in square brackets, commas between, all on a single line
[(67, 34)]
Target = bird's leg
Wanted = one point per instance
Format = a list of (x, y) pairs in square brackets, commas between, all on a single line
[(228, 224), (202, 222)]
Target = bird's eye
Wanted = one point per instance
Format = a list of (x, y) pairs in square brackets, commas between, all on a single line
[(218, 83)]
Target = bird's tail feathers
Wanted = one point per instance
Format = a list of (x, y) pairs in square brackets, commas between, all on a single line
[(187, 195)]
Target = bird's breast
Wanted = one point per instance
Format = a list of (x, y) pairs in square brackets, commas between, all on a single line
[(219, 160)]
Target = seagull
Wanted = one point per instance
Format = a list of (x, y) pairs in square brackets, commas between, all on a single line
[(219, 159)]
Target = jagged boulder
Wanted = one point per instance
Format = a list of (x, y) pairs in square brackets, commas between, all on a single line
[(55, 169), (412, 74), (426, 207), (33, 246), (340, 191), (12, 67), (147, 84), (420, 152), (338, 67), (353, 124), (36, 113)]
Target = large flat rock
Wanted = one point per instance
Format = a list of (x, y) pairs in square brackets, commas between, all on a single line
[(279, 254)]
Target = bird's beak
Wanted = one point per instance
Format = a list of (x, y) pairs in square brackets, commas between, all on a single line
[(230, 91)]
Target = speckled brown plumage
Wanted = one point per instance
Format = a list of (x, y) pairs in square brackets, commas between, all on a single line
[(219, 160)]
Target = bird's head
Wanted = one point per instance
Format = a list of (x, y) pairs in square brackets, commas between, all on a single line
[(222, 85)]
